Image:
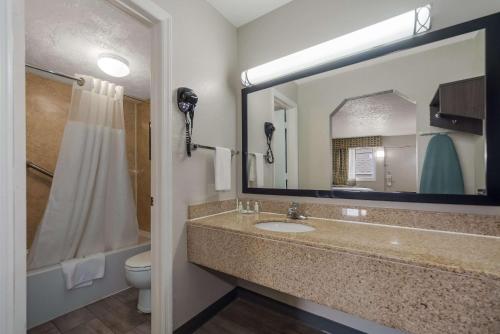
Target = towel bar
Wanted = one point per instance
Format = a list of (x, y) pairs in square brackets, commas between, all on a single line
[(196, 146)]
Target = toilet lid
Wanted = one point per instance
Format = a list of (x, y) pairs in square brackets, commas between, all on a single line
[(139, 261)]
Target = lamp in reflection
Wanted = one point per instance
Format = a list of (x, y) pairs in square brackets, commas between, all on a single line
[(354, 212)]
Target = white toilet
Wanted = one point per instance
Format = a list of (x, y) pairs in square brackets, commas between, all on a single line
[(138, 273)]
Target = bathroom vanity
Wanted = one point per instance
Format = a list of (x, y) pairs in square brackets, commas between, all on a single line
[(415, 280), (397, 122)]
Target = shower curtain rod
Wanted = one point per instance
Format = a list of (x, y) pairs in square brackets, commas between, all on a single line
[(79, 81)]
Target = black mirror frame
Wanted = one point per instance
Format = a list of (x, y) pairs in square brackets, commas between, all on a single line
[(491, 24)]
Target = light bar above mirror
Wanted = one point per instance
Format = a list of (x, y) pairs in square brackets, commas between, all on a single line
[(394, 29)]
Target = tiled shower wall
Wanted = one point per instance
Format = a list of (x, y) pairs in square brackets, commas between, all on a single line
[(47, 106), (137, 116)]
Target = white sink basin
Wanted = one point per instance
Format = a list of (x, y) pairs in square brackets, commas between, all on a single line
[(279, 226)]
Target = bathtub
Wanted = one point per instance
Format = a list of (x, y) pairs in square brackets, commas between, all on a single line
[(47, 295)]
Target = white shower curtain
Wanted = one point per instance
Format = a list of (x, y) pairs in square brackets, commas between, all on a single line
[(91, 207)]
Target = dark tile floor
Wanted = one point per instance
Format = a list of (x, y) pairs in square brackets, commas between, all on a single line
[(118, 315), (114, 315), (245, 317)]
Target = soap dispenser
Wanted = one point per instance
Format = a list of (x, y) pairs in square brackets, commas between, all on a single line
[(256, 208)]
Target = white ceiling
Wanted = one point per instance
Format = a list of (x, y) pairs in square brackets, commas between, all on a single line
[(240, 12), (388, 114), (68, 35)]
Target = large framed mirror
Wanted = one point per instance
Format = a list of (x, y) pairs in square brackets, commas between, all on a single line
[(417, 120)]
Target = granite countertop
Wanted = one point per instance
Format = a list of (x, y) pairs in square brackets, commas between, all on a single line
[(456, 252)]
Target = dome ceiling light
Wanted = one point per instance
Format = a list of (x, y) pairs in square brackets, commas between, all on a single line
[(113, 65)]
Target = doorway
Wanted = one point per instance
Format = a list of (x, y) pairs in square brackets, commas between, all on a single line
[(285, 142), (13, 172)]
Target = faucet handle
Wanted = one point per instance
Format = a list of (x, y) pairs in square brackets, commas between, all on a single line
[(293, 211)]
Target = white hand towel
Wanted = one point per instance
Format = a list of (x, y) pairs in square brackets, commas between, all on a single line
[(252, 173), (259, 169), (81, 272), (222, 169)]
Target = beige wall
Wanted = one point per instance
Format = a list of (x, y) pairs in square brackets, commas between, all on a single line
[(299, 25), (204, 59), (47, 106), (289, 89)]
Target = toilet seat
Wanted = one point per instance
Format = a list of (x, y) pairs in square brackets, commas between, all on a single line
[(139, 262), (138, 275)]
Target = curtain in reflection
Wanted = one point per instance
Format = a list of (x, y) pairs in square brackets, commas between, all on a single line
[(340, 166), (340, 155)]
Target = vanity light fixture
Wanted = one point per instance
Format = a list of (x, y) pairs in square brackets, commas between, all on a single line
[(113, 65), (396, 28)]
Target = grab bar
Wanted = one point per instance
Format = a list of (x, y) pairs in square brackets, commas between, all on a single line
[(42, 170)]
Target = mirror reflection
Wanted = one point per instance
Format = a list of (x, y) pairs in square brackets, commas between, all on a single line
[(412, 121)]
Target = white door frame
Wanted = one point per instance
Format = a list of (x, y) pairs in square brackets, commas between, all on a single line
[(291, 107), (13, 164), (12, 170)]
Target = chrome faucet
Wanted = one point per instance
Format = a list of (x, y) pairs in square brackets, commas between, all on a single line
[(293, 212)]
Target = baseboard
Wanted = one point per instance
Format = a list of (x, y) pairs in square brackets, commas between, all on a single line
[(312, 320), (201, 318)]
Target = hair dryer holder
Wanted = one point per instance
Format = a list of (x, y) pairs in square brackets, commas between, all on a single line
[(186, 101)]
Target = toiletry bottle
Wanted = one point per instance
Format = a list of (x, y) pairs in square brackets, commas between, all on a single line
[(240, 207), (256, 208), (248, 206)]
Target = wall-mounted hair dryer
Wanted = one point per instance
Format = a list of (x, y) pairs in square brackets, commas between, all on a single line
[(269, 130), (186, 101)]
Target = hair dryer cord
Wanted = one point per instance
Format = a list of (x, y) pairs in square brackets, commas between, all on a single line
[(269, 154), (188, 136)]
